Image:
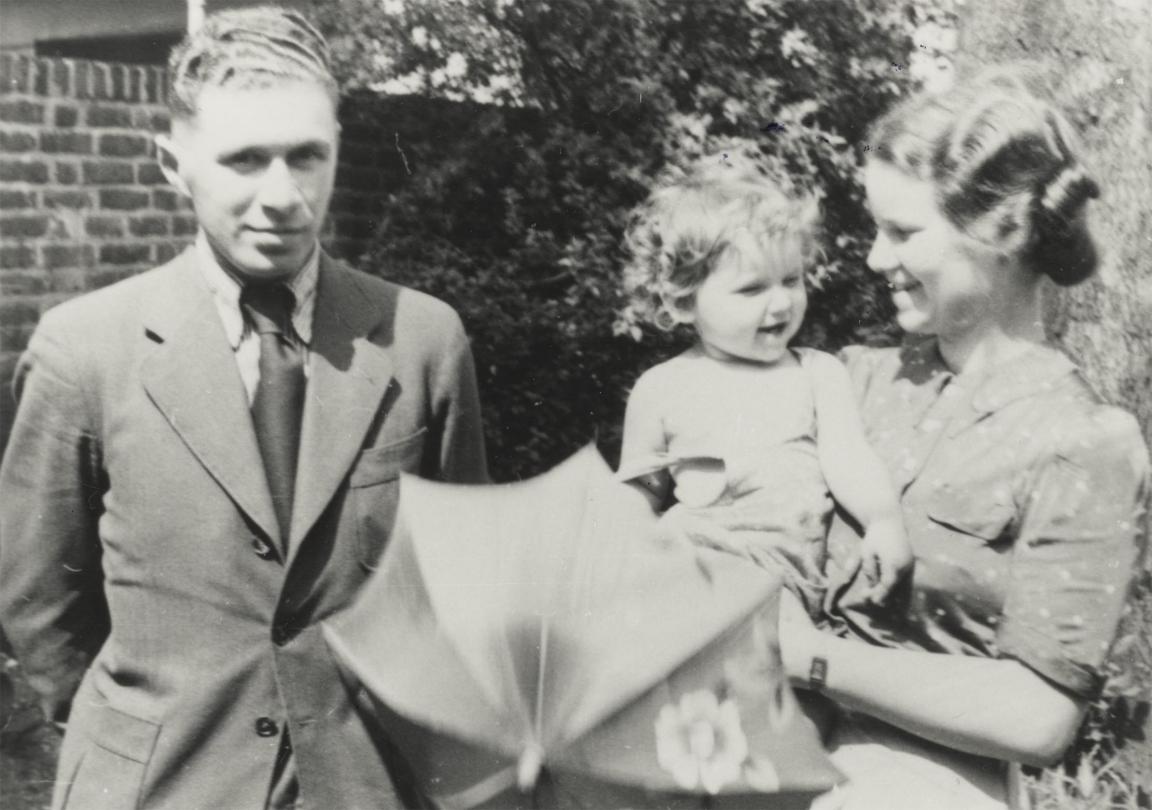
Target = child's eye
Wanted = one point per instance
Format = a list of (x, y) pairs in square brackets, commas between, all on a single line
[(792, 282), (751, 289)]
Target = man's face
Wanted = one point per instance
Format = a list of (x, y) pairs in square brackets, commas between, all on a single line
[(258, 165)]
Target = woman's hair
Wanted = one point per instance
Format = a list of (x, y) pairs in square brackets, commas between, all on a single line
[(247, 48), (694, 217), (1004, 167)]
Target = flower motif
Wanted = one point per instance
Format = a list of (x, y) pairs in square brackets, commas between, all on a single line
[(700, 742)]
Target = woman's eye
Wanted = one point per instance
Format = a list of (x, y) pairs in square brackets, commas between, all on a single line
[(897, 234)]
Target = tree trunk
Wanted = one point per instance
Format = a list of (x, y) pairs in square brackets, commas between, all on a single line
[(1094, 58)]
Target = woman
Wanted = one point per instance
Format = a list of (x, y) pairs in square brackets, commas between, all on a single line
[(1022, 492)]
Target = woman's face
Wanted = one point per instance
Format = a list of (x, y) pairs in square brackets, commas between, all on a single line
[(943, 281)]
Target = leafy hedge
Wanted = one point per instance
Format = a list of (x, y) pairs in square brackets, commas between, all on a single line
[(517, 218)]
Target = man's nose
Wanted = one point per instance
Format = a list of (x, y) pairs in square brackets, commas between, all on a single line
[(882, 258), (278, 188)]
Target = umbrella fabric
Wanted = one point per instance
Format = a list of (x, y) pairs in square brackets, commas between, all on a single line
[(528, 645)]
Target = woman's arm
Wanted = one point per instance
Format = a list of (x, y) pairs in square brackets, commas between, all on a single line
[(991, 707)]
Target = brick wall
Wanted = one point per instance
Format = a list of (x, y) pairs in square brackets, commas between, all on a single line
[(83, 202)]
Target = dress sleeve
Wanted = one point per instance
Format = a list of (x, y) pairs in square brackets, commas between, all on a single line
[(1081, 537)]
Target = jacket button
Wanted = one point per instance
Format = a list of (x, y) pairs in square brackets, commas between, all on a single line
[(262, 548), (266, 727)]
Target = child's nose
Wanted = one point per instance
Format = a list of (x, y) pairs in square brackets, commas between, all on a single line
[(779, 301)]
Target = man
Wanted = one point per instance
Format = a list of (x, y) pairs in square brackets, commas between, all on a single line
[(204, 463)]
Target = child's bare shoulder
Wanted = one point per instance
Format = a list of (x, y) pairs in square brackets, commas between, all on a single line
[(670, 374)]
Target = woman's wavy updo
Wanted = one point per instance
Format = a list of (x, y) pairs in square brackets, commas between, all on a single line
[(1004, 167), (724, 202)]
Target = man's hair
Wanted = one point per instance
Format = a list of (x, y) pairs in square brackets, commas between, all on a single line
[(243, 49), (694, 217)]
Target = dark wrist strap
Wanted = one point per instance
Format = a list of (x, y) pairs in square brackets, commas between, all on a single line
[(818, 673)]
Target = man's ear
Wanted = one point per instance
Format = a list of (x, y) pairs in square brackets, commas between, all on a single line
[(170, 155)]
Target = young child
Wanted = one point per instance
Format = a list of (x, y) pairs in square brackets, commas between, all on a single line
[(745, 433)]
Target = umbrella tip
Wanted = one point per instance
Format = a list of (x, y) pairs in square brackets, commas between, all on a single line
[(528, 768)]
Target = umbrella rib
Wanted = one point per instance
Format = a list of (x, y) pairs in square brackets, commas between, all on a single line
[(539, 719)]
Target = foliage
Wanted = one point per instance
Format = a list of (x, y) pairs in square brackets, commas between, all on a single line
[(520, 224)]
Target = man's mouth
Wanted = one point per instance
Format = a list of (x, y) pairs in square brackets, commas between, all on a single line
[(280, 232)]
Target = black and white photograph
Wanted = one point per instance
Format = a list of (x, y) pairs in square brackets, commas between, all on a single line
[(575, 404)]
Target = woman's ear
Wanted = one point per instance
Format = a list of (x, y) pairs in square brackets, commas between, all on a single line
[(170, 156), (1008, 227)]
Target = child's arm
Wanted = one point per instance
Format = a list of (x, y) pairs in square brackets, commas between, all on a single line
[(857, 477), (644, 437)]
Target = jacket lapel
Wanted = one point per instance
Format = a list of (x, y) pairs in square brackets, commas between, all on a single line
[(349, 375), (191, 376)]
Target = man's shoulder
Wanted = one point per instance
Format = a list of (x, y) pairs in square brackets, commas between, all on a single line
[(411, 308), (114, 306)]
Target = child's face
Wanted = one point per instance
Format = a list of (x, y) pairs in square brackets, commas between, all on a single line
[(751, 305)]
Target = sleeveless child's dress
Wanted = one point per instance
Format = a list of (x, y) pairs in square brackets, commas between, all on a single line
[(743, 465)]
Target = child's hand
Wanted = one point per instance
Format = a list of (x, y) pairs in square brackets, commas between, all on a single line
[(885, 557)]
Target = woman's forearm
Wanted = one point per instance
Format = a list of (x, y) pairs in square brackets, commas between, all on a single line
[(993, 707)]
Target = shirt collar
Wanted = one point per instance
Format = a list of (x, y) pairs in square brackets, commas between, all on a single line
[(225, 291), (1039, 367)]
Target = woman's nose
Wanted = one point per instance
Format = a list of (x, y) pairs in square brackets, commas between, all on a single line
[(882, 258), (278, 189)]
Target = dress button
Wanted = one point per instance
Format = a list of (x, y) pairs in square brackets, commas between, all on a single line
[(281, 635), (262, 548), (266, 727)]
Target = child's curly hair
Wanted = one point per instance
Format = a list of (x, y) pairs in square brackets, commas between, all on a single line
[(693, 217)]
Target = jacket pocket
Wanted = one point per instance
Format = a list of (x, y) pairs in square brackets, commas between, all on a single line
[(374, 489), (976, 513), (110, 770)]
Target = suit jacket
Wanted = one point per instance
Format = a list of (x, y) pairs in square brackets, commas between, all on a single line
[(141, 572)]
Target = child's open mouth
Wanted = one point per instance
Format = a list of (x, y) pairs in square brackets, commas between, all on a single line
[(775, 330)]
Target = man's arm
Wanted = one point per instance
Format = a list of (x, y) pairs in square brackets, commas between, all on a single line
[(462, 458), (52, 604)]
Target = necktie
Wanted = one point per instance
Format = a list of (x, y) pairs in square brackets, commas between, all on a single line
[(278, 405)]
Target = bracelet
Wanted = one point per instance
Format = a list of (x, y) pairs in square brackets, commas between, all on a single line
[(818, 673)]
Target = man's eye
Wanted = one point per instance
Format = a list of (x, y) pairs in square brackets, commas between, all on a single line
[(308, 156), (244, 161)]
